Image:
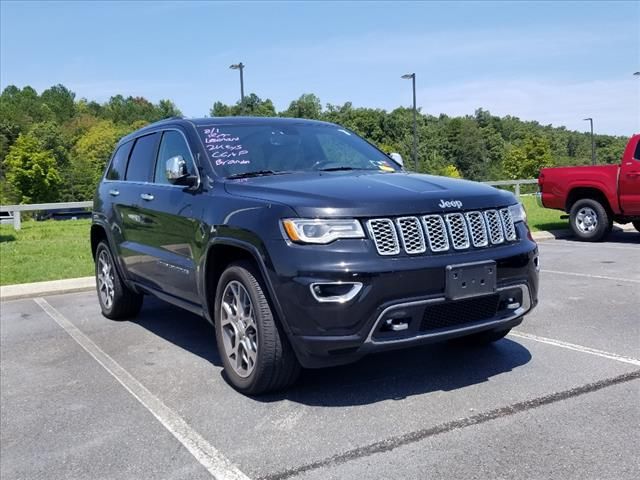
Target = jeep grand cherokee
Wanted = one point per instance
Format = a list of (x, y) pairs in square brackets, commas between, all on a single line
[(304, 244)]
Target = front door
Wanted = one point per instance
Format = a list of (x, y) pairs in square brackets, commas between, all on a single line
[(171, 227), (629, 182)]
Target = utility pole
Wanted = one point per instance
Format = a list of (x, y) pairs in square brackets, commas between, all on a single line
[(593, 143), (412, 76), (240, 66)]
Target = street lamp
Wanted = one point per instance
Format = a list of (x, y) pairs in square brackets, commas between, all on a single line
[(637, 74), (240, 66), (412, 76), (593, 144)]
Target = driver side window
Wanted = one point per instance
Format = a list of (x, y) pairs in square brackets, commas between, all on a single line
[(172, 144)]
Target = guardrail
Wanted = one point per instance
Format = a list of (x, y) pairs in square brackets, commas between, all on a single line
[(33, 207), (16, 209)]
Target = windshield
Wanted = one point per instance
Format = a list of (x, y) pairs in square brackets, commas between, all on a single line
[(241, 149)]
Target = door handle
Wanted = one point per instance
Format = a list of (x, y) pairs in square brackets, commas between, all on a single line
[(114, 193), (146, 196), (633, 174)]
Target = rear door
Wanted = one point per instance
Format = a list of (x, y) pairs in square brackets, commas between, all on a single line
[(133, 246), (629, 180), (171, 231)]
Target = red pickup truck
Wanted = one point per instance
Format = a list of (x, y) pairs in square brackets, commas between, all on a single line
[(595, 196)]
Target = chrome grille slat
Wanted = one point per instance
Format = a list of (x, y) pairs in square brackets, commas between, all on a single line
[(411, 235), (477, 229), (494, 225), (507, 223), (384, 236), (457, 230), (436, 233)]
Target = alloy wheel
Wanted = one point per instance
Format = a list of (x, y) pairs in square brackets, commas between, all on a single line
[(105, 279), (239, 330)]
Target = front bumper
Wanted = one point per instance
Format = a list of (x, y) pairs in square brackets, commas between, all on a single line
[(333, 333)]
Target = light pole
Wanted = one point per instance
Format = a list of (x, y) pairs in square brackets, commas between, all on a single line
[(240, 66), (637, 74), (593, 144), (412, 76)]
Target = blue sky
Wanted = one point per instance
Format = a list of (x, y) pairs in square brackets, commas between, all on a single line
[(548, 61)]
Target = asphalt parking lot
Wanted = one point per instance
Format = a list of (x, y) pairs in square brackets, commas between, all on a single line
[(85, 397)]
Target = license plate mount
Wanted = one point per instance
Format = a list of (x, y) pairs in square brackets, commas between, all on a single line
[(470, 280)]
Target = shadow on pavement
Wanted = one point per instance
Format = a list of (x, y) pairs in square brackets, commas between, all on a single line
[(386, 376)]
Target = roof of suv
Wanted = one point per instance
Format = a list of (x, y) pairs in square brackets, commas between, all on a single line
[(198, 122)]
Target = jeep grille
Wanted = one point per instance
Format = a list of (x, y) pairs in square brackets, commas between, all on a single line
[(441, 233)]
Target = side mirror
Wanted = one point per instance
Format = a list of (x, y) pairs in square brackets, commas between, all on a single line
[(176, 169), (397, 158), (177, 172)]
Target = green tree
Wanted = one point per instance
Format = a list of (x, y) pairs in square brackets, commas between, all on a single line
[(31, 171), (307, 106), (90, 155), (60, 101), (527, 160)]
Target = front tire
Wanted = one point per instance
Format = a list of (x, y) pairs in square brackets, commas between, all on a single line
[(117, 301), (589, 220), (256, 353)]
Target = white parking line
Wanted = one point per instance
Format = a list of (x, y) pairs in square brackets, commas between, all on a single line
[(588, 275), (577, 348), (597, 246), (210, 458)]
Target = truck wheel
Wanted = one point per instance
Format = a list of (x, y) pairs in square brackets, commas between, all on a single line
[(483, 338), (117, 301), (636, 225), (589, 220), (256, 353)]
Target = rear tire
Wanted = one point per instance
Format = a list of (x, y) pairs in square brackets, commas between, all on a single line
[(255, 351), (589, 220), (117, 301), (636, 225)]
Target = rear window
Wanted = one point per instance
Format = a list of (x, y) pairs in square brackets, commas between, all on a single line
[(142, 158), (119, 162)]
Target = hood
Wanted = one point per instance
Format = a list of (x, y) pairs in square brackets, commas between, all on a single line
[(369, 194)]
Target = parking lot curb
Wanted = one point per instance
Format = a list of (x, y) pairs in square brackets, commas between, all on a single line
[(53, 287), (555, 234)]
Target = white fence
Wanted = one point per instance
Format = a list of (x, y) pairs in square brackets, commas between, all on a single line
[(16, 209)]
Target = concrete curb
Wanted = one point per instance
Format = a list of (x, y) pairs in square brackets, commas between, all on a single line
[(28, 290), (555, 234)]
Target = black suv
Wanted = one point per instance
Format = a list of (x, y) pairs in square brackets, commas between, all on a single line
[(304, 244)]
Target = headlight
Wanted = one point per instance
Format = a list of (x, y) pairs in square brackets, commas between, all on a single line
[(307, 230), (518, 213)]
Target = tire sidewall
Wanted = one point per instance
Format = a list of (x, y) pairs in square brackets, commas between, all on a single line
[(243, 275), (604, 223)]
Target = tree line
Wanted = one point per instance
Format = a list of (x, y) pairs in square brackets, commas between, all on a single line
[(54, 147)]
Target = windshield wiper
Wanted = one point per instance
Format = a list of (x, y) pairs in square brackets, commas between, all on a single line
[(336, 169), (257, 173)]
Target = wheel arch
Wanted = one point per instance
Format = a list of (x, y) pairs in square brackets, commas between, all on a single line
[(580, 193), (222, 252)]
